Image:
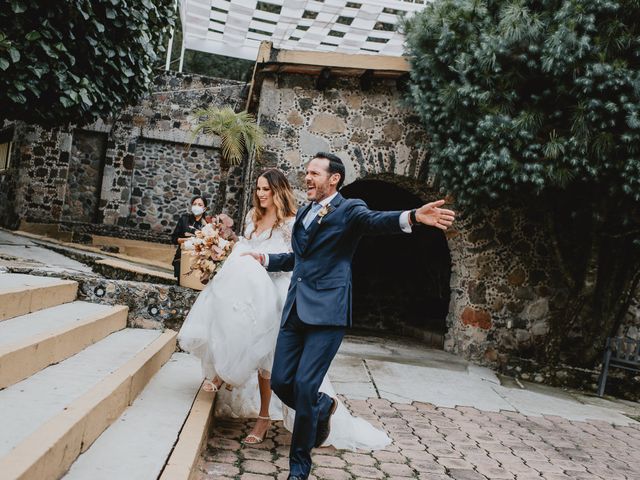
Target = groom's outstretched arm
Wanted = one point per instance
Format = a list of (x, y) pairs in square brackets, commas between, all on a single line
[(372, 222)]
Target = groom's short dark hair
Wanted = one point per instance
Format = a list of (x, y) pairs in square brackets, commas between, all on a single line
[(335, 165)]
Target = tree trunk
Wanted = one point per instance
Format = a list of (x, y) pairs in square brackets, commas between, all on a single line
[(600, 266), (221, 196)]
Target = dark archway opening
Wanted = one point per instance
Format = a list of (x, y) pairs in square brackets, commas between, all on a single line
[(400, 282)]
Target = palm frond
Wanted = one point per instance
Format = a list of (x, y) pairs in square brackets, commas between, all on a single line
[(239, 133)]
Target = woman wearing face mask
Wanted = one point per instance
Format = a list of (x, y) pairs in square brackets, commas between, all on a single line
[(186, 227)]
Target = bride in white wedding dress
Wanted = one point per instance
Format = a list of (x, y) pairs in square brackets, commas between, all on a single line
[(233, 325)]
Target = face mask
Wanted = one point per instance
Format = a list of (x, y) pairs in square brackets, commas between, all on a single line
[(197, 210)]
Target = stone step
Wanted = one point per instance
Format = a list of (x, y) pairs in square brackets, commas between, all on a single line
[(51, 417), (45, 229), (138, 444), (193, 437), (158, 254), (21, 294), (122, 265), (31, 342)]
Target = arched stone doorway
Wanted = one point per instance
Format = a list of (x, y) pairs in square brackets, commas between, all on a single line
[(401, 283)]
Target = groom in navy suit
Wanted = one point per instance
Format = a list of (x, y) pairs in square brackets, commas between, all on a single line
[(317, 310)]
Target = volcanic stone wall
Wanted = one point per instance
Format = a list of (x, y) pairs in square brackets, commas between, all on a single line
[(370, 130), (131, 175)]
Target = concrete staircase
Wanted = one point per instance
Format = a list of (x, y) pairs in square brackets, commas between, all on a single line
[(84, 397)]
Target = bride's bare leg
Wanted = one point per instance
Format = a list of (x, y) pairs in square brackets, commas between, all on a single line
[(264, 383), (263, 422)]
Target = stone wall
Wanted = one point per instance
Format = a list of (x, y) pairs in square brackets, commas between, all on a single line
[(166, 116), (165, 177), (84, 180), (503, 287), (42, 165), (370, 131), (102, 177)]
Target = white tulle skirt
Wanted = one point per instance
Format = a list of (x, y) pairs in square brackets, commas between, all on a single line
[(233, 325)]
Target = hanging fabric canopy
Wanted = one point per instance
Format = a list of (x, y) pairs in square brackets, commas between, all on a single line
[(236, 28)]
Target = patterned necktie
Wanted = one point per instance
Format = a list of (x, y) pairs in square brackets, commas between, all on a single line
[(315, 208)]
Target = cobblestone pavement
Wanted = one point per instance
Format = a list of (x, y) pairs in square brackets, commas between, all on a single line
[(440, 443)]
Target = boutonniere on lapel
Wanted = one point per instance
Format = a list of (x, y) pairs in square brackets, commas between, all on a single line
[(327, 209)]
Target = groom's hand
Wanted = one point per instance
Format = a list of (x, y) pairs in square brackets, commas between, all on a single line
[(431, 214), (258, 256)]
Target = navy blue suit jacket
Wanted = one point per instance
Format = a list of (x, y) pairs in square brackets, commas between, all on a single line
[(321, 259)]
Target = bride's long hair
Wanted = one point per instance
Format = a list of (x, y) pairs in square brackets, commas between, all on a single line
[(282, 198)]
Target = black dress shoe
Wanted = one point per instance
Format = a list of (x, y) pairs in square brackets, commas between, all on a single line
[(324, 426)]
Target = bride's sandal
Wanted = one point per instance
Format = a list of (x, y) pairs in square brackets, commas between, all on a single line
[(253, 439), (210, 386)]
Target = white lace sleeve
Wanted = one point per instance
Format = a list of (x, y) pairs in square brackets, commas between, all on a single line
[(248, 224), (282, 244), (287, 231)]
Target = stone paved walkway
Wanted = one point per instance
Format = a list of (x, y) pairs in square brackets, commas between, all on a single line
[(437, 443)]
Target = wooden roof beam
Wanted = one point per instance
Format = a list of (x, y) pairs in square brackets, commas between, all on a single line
[(268, 54)]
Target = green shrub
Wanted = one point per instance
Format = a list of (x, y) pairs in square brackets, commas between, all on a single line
[(74, 60)]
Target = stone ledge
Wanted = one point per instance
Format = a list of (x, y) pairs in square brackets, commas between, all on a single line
[(180, 136), (151, 305), (68, 247)]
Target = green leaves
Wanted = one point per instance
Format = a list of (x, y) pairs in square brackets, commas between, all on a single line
[(32, 35), (74, 61), (14, 54), (85, 98), (99, 26), (18, 6), (522, 97), (67, 102)]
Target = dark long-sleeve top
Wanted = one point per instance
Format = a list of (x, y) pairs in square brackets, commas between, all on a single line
[(186, 224)]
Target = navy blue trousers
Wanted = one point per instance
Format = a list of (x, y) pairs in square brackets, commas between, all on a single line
[(302, 357)]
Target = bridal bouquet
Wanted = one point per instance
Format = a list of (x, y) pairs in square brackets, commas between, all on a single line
[(211, 246)]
